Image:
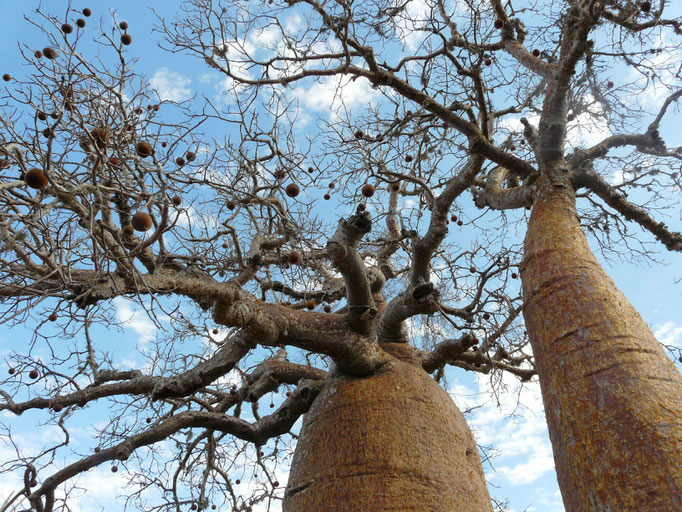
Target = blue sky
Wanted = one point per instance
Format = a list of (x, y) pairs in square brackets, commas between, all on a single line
[(510, 421)]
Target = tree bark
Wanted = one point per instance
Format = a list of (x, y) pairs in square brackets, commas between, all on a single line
[(391, 441), (612, 397)]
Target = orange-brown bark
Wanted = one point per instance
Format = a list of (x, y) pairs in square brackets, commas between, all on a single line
[(613, 398), (391, 441)]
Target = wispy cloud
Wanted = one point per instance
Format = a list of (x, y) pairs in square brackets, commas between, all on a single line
[(670, 333), (135, 319), (512, 420), (171, 86)]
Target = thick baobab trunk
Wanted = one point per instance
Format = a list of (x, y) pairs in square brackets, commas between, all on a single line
[(391, 441), (613, 399)]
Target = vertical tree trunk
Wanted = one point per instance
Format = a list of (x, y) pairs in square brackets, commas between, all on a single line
[(391, 441), (613, 398)]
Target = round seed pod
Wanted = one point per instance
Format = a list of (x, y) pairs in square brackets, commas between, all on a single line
[(368, 190), (42, 116), (180, 161), (33, 374), (7, 77), (359, 134), (58, 407), (536, 53), (327, 197), (35, 178), (514, 275), (52, 317), (311, 304), (38, 54), (327, 308), (294, 258), (231, 205), (66, 28), (459, 223), (177, 200), (645, 6), (114, 469), (395, 187), (141, 221), (87, 12), (292, 190), (11, 371), (408, 158), (191, 156), (126, 39), (128, 230), (50, 53), (143, 149), (101, 137), (123, 25), (80, 22), (499, 23)]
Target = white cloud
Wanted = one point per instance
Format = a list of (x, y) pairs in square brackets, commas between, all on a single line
[(333, 92), (171, 86), (135, 319), (511, 419), (670, 333), (665, 63)]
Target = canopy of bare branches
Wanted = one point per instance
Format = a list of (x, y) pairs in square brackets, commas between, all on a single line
[(270, 246)]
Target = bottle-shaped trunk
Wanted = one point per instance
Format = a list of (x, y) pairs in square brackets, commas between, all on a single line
[(612, 397), (391, 441)]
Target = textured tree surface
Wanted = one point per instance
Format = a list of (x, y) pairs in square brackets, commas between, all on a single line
[(613, 399), (391, 441), (340, 175)]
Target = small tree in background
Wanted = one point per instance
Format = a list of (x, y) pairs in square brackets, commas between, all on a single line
[(109, 193)]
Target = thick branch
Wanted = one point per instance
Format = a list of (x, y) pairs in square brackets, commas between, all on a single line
[(499, 198), (671, 239), (273, 425), (322, 333), (421, 299), (222, 362), (342, 249)]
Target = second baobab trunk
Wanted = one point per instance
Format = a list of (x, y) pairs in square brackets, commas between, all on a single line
[(613, 399), (391, 441)]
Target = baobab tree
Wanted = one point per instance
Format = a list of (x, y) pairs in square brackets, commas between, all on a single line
[(108, 192)]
